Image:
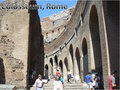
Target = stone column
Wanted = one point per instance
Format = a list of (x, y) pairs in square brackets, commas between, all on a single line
[(76, 71), (64, 72), (81, 68), (54, 67)]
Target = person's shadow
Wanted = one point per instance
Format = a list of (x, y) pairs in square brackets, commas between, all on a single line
[(2, 72)]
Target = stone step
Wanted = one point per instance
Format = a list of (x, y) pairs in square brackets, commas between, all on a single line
[(65, 85), (7, 87), (65, 88)]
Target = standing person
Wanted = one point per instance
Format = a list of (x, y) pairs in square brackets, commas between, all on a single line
[(39, 83), (112, 84), (57, 73), (69, 76), (97, 81), (89, 80), (57, 84), (61, 79)]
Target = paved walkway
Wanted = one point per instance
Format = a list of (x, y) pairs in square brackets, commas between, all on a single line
[(67, 86)]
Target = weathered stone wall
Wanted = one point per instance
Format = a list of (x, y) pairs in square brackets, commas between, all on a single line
[(54, 25), (21, 46), (111, 10)]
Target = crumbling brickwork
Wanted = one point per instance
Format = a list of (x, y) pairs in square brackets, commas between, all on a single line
[(21, 45)]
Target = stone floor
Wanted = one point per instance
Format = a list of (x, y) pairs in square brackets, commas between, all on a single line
[(67, 86), (7, 87)]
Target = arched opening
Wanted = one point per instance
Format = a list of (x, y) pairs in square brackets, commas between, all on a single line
[(2, 72), (56, 62), (77, 55), (71, 51), (85, 58), (51, 64), (61, 67), (46, 71), (71, 56), (95, 36), (66, 63)]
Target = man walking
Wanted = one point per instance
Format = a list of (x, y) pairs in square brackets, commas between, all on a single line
[(39, 83), (89, 80)]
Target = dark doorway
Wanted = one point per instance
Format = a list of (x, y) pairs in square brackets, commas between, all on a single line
[(94, 31), (56, 62), (51, 63), (85, 58), (71, 53), (2, 72), (77, 54), (61, 67), (46, 71), (66, 63)]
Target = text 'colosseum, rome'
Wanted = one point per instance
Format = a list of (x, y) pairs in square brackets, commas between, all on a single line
[(75, 46)]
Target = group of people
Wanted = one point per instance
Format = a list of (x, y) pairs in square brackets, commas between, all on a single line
[(58, 83), (94, 81)]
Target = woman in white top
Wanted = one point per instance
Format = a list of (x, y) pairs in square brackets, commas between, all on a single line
[(58, 84)]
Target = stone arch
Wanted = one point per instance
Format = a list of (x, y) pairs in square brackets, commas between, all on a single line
[(77, 55), (56, 62), (51, 66), (2, 72), (66, 63), (66, 67), (71, 58), (95, 36), (85, 58), (61, 66), (46, 71), (71, 51)]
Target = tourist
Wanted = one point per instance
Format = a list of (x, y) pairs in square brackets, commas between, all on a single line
[(32, 74), (39, 83), (61, 79), (57, 72), (97, 81), (69, 76), (89, 81), (112, 83), (58, 84)]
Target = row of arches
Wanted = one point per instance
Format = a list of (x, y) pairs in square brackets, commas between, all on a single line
[(69, 63), (79, 61)]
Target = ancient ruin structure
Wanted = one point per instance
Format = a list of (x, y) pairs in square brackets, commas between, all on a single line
[(89, 43), (21, 44), (54, 25)]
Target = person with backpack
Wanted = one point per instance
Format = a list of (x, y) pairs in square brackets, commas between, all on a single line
[(61, 79), (58, 84)]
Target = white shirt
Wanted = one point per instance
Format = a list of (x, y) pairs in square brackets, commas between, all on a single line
[(38, 83), (69, 72), (58, 85)]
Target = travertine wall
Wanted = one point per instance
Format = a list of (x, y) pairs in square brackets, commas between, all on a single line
[(87, 42), (21, 46), (55, 24)]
